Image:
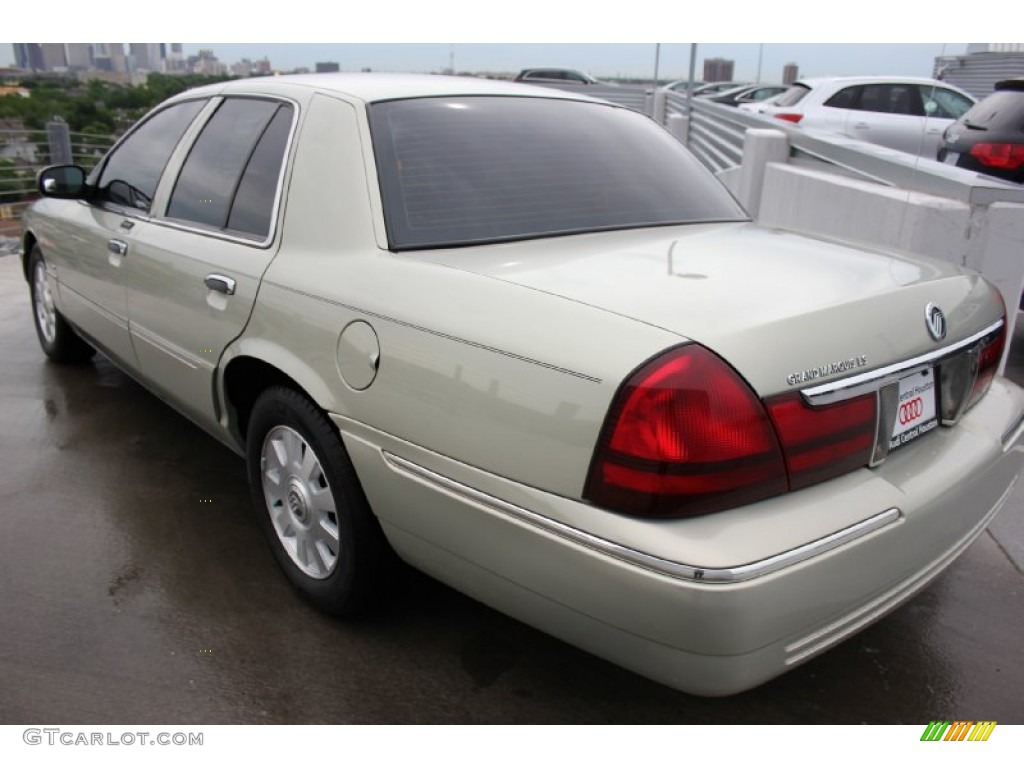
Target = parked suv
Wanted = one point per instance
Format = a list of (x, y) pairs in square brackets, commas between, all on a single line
[(990, 137), (904, 113)]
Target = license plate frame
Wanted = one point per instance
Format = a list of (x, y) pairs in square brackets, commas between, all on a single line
[(917, 408)]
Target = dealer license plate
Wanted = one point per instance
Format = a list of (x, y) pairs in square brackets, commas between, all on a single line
[(915, 414)]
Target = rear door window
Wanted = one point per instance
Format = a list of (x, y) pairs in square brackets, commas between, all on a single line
[(844, 99), (237, 156), (890, 98)]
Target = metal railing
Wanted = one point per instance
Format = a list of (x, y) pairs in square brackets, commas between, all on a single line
[(717, 134), (23, 153)]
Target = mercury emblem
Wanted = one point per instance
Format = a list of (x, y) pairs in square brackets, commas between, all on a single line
[(936, 322)]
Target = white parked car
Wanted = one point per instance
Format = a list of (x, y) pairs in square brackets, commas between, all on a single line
[(905, 113), (525, 340)]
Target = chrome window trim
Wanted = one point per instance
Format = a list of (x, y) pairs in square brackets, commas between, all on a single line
[(222, 234), (852, 386), (670, 568)]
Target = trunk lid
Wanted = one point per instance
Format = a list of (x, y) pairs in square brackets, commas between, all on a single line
[(787, 311)]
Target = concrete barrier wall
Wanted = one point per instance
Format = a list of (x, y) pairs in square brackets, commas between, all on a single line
[(986, 237)]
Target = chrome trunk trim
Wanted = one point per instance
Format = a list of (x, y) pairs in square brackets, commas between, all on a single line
[(852, 386)]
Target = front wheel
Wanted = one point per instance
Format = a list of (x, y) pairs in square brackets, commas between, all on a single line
[(311, 506), (57, 338)]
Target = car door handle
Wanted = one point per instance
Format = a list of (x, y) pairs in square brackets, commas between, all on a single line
[(220, 283), (120, 247), (862, 125)]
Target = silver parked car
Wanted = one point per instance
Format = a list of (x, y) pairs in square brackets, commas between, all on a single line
[(524, 340), (904, 113)]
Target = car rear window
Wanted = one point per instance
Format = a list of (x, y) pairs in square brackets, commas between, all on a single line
[(465, 170)]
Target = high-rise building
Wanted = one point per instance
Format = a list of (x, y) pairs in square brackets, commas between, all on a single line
[(176, 59), (206, 63), (53, 56), (718, 70), (28, 55), (328, 66), (242, 68), (109, 57), (790, 73), (147, 56), (78, 55)]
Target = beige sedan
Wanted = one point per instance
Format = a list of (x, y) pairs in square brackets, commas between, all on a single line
[(523, 340)]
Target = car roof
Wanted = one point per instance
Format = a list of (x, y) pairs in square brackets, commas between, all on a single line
[(375, 86), (814, 82)]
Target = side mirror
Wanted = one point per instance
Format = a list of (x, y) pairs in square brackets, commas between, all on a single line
[(66, 182)]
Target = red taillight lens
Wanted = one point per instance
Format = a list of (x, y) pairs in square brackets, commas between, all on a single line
[(1009, 157), (823, 442), (988, 363), (685, 436), (789, 117)]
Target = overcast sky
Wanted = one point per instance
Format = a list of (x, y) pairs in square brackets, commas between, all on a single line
[(869, 37)]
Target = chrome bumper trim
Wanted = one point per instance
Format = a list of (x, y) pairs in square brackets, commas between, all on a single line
[(635, 557), (1010, 435)]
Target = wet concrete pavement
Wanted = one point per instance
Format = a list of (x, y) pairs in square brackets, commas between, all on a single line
[(136, 588)]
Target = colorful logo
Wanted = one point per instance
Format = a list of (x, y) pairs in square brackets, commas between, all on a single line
[(958, 730)]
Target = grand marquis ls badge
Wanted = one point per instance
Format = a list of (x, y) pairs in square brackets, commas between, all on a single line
[(936, 321), (828, 369)]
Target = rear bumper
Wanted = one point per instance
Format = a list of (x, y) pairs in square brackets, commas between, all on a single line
[(713, 605)]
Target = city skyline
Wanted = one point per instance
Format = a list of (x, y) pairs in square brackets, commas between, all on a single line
[(601, 59)]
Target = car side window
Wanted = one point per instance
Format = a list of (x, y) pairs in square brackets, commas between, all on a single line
[(944, 103), (890, 98), (253, 206), (235, 161), (844, 99), (133, 170)]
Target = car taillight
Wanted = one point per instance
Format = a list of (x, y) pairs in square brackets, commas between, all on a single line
[(685, 436), (988, 363), (826, 441), (789, 117), (1008, 157)]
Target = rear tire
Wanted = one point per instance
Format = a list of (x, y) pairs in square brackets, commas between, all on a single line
[(58, 339), (311, 506)]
